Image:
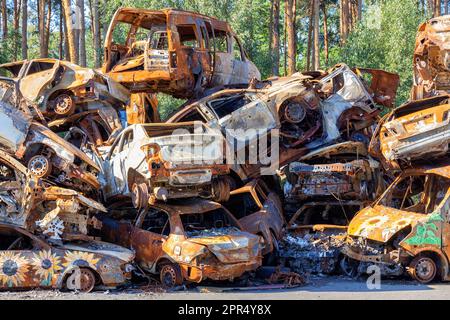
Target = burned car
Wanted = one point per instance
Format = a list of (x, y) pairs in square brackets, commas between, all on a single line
[(431, 59), (151, 162), (416, 131), (50, 89), (27, 262), (173, 51), (303, 112), (39, 206), (331, 184), (259, 210), (192, 240), (406, 229), (45, 153)]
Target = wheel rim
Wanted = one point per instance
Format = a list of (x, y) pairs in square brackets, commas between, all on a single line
[(425, 269), (169, 276), (63, 104), (39, 166), (87, 281), (347, 266)]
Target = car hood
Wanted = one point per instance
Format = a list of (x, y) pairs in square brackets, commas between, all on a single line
[(102, 248), (380, 223), (230, 246)]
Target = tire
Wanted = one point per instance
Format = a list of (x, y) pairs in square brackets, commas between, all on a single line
[(221, 189), (272, 257), (64, 105), (40, 166), (140, 196), (170, 275), (423, 269), (87, 280), (348, 266)]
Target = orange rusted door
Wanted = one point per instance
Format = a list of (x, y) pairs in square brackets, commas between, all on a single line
[(148, 237)]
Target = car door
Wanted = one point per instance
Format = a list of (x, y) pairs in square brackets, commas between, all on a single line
[(21, 260), (38, 76), (151, 231)]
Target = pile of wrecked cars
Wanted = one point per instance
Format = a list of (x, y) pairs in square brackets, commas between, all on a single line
[(247, 173)]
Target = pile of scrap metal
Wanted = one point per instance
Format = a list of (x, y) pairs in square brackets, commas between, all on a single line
[(406, 229)]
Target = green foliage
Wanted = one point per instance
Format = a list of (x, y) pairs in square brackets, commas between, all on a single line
[(384, 39)]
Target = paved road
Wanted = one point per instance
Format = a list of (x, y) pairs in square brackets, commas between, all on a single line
[(320, 288)]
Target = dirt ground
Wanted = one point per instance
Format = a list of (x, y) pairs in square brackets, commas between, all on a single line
[(319, 288)]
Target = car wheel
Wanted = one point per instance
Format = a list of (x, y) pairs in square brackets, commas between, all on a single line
[(349, 266), (82, 280), (140, 195), (221, 189), (170, 275), (40, 166), (422, 269), (64, 105)]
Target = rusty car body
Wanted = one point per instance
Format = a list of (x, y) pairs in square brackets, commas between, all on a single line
[(331, 184), (150, 162), (39, 206), (307, 111), (406, 229), (58, 88), (28, 262), (44, 152), (431, 59), (192, 240), (416, 131), (173, 51), (260, 211)]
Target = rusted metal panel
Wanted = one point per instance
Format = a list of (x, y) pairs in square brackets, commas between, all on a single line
[(174, 51), (44, 265), (431, 59)]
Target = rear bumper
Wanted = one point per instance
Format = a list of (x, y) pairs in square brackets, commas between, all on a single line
[(219, 271)]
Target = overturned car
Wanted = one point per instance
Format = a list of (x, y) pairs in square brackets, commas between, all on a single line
[(45, 153), (52, 90), (173, 51), (414, 132), (189, 241), (406, 229), (302, 112)]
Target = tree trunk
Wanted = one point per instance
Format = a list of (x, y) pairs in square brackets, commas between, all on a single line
[(47, 26), (325, 32), (69, 31), (4, 20), (61, 33), (275, 43), (437, 8), (24, 29), (82, 37), (310, 35), (66, 41), (285, 41), (316, 63), (446, 6), (43, 52), (290, 36), (17, 7)]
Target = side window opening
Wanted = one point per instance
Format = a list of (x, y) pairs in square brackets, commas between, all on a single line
[(196, 224), (156, 221), (220, 40), (159, 40), (227, 105), (193, 115), (128, 139), (12, 240), (237, 52), (39, 67), (120, 33), (188, 37), (241, 205)]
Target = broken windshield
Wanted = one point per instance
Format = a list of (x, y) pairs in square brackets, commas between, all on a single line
[(227, 105), (195, 224), (416, 193)]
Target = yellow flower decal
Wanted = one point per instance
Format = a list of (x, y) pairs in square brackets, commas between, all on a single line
[(46, 265), (13, 268), (80, 259)]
